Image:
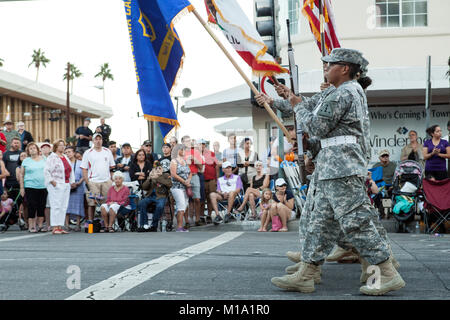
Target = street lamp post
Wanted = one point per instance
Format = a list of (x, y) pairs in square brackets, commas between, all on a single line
[(186, 93), (68, 103)]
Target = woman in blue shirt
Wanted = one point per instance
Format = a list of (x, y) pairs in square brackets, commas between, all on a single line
[(32, 187)]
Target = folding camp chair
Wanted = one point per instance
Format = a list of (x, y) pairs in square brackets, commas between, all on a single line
[(381, 200), (223, 205), (292, 174), (437, 204)]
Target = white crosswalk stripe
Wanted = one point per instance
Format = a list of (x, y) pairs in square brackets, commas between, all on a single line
[(24, 237), (117, 285)]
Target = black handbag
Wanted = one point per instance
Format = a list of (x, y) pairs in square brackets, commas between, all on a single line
[(244, 178)]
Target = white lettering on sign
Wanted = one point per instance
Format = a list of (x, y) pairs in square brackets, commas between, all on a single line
[(390, 127)]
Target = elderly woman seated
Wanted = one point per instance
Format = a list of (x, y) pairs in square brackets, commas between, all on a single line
[(117, 198), (258, 183)]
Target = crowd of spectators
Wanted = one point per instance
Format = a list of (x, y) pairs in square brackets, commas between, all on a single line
[(432, 155), (57, 186)]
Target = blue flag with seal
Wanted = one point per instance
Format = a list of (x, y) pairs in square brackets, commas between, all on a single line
[(157, 54)]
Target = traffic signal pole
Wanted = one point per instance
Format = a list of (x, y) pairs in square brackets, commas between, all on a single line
[(241, 72)]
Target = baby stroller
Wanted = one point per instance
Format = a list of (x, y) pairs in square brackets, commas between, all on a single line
[(405, 193), (436, 212), (12, 217)]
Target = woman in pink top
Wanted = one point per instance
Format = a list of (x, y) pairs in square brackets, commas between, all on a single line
[(117, 197), (6, 205)]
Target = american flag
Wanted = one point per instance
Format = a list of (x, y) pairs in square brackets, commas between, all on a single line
[(311, 12)]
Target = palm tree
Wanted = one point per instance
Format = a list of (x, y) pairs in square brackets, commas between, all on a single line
[(74, 73), (38, 59), (105, 73), (1, 62)]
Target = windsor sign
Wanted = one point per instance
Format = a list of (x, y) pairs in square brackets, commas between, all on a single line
[(390, 126)]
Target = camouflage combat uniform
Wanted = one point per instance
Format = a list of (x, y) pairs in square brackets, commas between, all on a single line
[(340, 201), (313, 105)]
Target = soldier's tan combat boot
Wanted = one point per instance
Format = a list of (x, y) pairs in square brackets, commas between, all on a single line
[(390, 280), (294, 256), (302, 280), (365, 264), (294, 268), (338, 254), (394, 261)]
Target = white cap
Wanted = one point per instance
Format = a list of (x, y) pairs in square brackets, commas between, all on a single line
[(226, 164), (96, 135), (280, 182)]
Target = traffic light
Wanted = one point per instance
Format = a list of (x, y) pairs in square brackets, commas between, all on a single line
[(252, 95), (267, 25)]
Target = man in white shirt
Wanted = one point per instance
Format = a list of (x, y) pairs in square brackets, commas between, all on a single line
[(228, 187), (288, 147), (231, 154), (97, 164)]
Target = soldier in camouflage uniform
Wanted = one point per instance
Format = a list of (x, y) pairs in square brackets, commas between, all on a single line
[(343, 250), (340, 201)]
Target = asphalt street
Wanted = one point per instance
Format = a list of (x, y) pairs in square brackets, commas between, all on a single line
[(228, 262)]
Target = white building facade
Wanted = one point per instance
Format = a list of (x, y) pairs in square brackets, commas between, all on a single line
[(396, 37)]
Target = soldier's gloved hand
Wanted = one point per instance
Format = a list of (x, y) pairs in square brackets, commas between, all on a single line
[(282, 90), (261, 98)]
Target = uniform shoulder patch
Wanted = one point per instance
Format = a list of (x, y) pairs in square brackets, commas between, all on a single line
[(326, 110)]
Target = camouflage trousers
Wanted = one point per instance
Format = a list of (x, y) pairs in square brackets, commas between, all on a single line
[(339, 212), (308, 214)]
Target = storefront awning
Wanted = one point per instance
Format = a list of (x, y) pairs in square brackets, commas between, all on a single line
[(25, 89)]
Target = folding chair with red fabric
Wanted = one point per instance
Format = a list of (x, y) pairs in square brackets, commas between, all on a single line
[(437, 204)]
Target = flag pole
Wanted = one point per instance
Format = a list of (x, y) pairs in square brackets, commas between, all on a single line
[(322, 29), (322, 33), (241, 72)]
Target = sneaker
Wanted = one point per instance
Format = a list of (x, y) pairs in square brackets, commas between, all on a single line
[(199, 223), (182, 230), (187, 226), (227, 218), (217, 220), (152, 229)]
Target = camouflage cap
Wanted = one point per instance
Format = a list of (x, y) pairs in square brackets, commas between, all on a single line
[(363, 67), (344, 55)]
